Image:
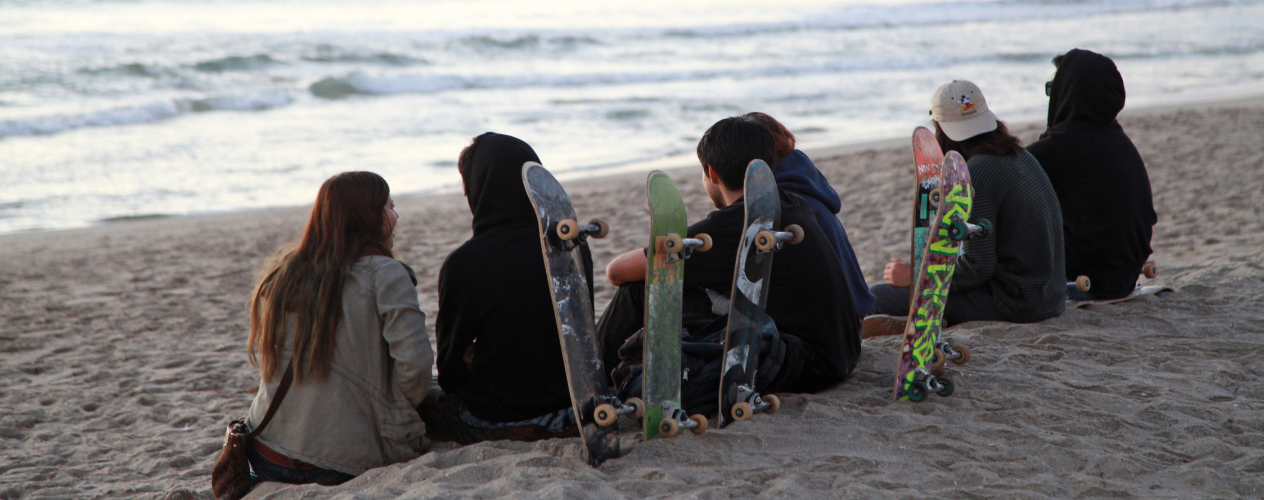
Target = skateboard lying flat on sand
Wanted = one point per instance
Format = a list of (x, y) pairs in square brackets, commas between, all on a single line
[(1083, 284), (919, 352), (1149, 271), (664, 290), (596, 407), (747, 318)]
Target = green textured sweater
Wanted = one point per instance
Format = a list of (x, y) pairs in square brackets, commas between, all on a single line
[(1021, 263)]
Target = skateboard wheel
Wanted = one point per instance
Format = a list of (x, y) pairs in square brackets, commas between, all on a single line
[(672, 243), (938, 360), (916, 392), (706, 242), (963, 355), (702, 424), (1082, 283), (567, 229), (1150, 270), (741, 411), (797, 232), (603, 228), (934, 198), (765, 241), (668, 427), (638, 406), (945, 386), (605, 415), (774, 403)]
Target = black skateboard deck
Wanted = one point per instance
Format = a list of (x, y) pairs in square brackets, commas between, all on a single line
[(747, 319), (596, 407)]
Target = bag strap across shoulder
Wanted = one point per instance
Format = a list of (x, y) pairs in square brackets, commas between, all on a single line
[(282, 388)]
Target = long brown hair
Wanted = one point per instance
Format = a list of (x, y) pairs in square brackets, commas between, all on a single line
[(347, 222), (996, 143), (781, 134)]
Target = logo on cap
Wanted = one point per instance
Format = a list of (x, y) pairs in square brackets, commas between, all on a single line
[(966, 105)]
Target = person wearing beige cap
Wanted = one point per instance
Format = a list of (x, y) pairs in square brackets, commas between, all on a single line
[(1016, 274)]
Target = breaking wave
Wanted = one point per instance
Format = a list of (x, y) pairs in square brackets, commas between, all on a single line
[(145, 113)]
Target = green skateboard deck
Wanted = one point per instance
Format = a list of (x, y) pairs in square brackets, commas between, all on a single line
[(596, 407), (664, 290)]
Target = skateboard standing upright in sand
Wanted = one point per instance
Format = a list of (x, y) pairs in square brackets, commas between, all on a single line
[(664, 290), (919, 351), (596, 407), (747, 318), (928, 160)]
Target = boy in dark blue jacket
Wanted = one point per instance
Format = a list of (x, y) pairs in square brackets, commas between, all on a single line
[(796, 173)]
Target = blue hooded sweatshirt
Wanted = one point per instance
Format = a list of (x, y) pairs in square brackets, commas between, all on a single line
[(797, 174)]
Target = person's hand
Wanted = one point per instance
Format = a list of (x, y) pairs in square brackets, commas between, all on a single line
[(898, 273), (468, 356)]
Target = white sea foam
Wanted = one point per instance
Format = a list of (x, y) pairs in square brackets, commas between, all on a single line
[(144, 113)]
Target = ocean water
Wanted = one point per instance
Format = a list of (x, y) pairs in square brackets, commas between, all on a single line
[(125, 108)]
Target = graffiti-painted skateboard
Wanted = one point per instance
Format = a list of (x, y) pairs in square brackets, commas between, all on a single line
[(664, 289), (747, 318), (918, 354), (929, 160), (596, 407)]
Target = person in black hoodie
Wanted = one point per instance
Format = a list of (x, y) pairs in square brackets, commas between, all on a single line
[(816, 339), (499, 358), (1101, 182), (796, 173)]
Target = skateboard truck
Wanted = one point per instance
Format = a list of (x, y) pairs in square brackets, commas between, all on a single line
[(750, 402), (675, 420), (924, 383), (766, 241), (608, 409), (676, 248), (1081, 283), (945, 352), (566, 233), (960, 230)]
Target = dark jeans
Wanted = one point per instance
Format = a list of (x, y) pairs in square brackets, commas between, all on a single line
[(701, 350), (625, 315), (266, 470), (971, 305)]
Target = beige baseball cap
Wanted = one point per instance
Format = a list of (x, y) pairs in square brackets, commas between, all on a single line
[(961, 111)]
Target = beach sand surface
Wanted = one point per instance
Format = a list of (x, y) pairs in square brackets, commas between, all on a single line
[(122, 358)]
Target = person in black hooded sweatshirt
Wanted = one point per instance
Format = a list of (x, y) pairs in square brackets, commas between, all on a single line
[(1101, 182), (499, 358)]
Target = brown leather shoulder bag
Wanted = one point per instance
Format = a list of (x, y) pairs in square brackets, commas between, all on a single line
[(230, 479)]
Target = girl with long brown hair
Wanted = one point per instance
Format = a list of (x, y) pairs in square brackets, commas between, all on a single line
[(1015, 274), (342, 314)]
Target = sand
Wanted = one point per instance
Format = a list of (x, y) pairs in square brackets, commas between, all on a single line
[(122, 357)]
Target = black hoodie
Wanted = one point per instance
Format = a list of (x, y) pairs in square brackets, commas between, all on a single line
[(494, 292), (1107, 211)]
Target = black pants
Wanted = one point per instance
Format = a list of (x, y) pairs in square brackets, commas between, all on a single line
[(971, 305), (623, 317), (702, 349)]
